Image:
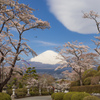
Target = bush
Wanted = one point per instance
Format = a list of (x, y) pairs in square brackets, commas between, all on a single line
[(9, 91), (98, 69), (98, 73), (21, 92), (86, 88), (59, 96), (32, 93), (4, 96), (89, 73), (91, 98), (34, 89), (75, 83), (53, 96), (79, 96), (68, 95), (87, 81), (95, 80), (45, 93), (20, 85), (51, 92)]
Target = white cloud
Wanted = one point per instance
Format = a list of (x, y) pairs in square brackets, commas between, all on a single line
[(14, 29), (69, 13), (43, 43)]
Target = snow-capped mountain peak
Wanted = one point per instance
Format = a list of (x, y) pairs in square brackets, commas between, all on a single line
[(47, 57)]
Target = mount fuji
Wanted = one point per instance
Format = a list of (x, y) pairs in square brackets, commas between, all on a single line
[(46, 62), (47, 57)]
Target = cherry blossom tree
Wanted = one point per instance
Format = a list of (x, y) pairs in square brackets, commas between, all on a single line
[(75, 55), (95, 16), (12, 44)]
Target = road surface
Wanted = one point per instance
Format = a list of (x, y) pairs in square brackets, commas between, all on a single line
[(36, 98)]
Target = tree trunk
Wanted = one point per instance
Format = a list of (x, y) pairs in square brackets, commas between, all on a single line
[(81, 83), (80, 77), (1, 87), (2, 84)]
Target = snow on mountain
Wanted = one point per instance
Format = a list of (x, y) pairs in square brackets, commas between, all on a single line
[(47, 57)]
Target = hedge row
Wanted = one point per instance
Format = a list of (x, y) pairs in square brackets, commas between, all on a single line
[(20, 93), (4, 96), (87, 88), (73, 96)]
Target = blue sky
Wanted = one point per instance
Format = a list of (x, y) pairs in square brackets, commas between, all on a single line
[(67, 24)]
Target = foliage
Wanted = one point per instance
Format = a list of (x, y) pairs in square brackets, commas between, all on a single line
[(53, 96), (79, 96), (20, 85), (89, 73), (4, 96), (68, 95), (91, 98), (30, 72), (34, 89), (9, 91), (32, 93), (21, 92), (86, 88), (98, 69), (98, 73), (95, 80), (75, 83), (87, 81), (45, 93), (59, 96)]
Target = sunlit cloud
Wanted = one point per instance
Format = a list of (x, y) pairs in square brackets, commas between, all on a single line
[(44, 43), (69, 13)]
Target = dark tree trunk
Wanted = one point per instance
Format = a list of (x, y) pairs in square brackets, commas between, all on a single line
[(2, 84), (1, 87)]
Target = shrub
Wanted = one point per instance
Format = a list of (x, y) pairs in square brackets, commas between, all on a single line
[(95, 80), (51, 92), (20, 85), (59, 96), (36, 93), (68, 95), (79, 96), (21, 92), (45, 93), (87, 81), (89, 73), (53, 96), (34, 89), (98, 69), (9, 91), (86, 88), (98, 73), (4, 96), (75, 83), (91, 98), (32, 93)]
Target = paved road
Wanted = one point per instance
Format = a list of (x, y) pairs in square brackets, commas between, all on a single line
[(36, 98)]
